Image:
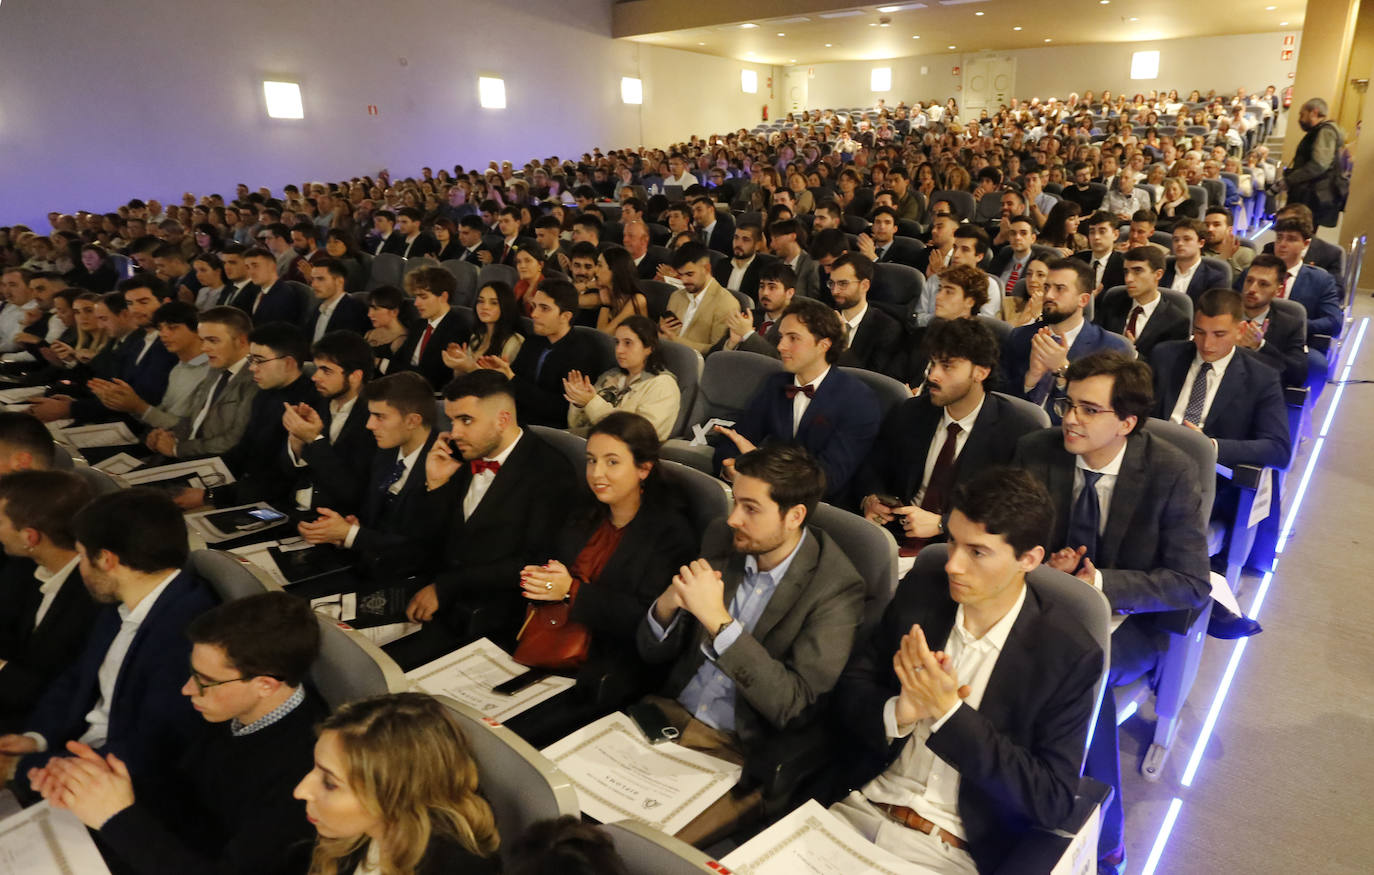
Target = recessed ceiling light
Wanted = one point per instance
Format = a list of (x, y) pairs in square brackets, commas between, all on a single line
[(884, 24), (978, 13), (916, 37), (780, 33), (701, 44), (1105, 2), (1048, 40), (747, 25), (1134, 19), (1270, 8), (828, 45), (1016, 28), (791, 60), (951, 47), (873, 24), (1283, 24)]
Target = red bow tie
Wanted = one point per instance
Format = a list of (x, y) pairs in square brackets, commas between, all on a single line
[(808, 391), (480, 465)]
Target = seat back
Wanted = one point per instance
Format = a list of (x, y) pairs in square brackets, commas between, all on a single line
[(896, 284), (1028, 407), (574, 448), (604, 342), (1198, 447), (413, 264), (871, 549), (388, 269), (1198, 194), (64, 456), (521, 785), (646, 851), (351, 667), (492, 272), (707, 497), (1084, 603), (999, 328), (656, 294), (466, 275), (686, 365), (908, 228), (1179, 300), (103, 484), (229, 576), (889, 392), (729, 381)]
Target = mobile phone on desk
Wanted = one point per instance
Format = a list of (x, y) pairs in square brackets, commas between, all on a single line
[(652, 722), (520, 681)]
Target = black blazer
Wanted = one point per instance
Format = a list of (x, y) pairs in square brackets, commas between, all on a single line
[(1153, 553), (453, 250), (516, 524), (455, 327), (1113, 274), (902, 250), (648, 267), (897, 464), (496, 245), (423, 245), (1248, 418), (396, 537), (337, 470), (1167, 323), (151, 722), (1285, 346), (749, 283), (761, 341), (33, 657), (1328, 256), (1019, 754), (876, 345), (257, 460), (148, 376), (350, 314), (395, 244), (539, 389), (1209, 275), (722, 235), (285, 302)]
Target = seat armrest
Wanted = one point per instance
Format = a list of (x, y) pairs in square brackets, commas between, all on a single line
[(793, 758), (1295, 396), (1243, 476), (1177, 622), (1040, 850), (1320, 342)]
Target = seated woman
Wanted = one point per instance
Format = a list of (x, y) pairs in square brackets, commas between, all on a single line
[(394, 789), (339, 245), (614, 557), (96, 273), (446, 232), (1023, 304), (617, 281), (497, 331), (384, 305), (1061, 229), (90, 337), (1176, 204), (529, 266), (640, 383)]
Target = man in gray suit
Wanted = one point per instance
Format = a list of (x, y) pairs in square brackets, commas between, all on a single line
[(758, 330), (755, 645), (223, 401), (786, 239)]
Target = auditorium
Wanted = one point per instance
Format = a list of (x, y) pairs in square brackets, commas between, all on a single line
[(651, 438)]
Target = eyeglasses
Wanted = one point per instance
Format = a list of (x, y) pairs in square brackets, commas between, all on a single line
[(202, 686), (1085, 411), (840, 284), (255, 360)]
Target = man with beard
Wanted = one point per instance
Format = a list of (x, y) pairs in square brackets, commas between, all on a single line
[(930, 443), (741, 272), (1315, 177), (1035, 356), (759, 330)]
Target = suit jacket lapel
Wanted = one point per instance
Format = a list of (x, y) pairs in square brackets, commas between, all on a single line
[(820, 403), (504, 480), (790, 588), (976, 444), (1126, 496), (1232, 386), (927, 422), (1008, 680)]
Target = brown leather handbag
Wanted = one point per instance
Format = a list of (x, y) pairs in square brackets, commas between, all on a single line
[(550, 640)]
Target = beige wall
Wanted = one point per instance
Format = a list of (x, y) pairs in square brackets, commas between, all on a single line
[(688, 93)]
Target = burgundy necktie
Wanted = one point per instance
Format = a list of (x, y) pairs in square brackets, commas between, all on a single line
[(764, 328), (939, 488), (424, 341), (1013, 277), (808, 391), (480, 465), (1136, 312)]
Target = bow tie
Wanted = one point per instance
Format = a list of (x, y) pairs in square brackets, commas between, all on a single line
[(480, 465), (808, 391)]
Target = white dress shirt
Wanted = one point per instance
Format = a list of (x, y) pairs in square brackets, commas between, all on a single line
[(480, 483), (1098, 263), (149, 338), (420, 347), (851, 326), (938, 443), (1146, 311), (737, 273), (1181, 279), (693, 304), (49, 582), (326, 310), (1106, 486), (919, 779), (1291, 279), (98, 719), (801, 402), (1213, 383)]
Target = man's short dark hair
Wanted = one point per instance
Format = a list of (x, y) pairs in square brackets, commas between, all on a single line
[(1269, 261), (1086, 280), (480, 384), (885, 211), (1151, 255), (473, 223), (793, 475), (1221, 302), (830, 242), (169, 250), (333, 266), (688, 253), (1101, 217), (177, 313), (348, 350), (778, 271), (270, 634), (544, 222), (259, 252), (282, 338), (24, 433), (114, 301), (822, 322), (1145, 216), (144, 281), (974, 233), (237, 321), (962, 339), (1009, 502), (562, 292), (1220, 211), (1295, 225), (434, 280), (1196, 226), (278, 229), (863, 268), (45, 500), (141, 526), (407, 392), (1133, 391), (1022, 219), (784, 227), (410, 213), (385, 214)]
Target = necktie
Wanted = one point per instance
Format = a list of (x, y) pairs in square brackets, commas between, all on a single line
[(505, 251), (791, 391), (766, 326), (1097, 271), (941, 484), (262, 293), (1086, 515), (1136, 312), (879, 252), (424, 341), (480, 465), (1283, 286), (393, 477), (1197, 395), (1013, 276)]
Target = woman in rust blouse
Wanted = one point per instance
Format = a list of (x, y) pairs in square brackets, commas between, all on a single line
[(615, 557)]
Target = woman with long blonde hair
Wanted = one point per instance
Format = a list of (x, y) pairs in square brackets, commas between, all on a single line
[(394, 792)]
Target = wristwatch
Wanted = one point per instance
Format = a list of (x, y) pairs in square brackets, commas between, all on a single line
[(721, 628)]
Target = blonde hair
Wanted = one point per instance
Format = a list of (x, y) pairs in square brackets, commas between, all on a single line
[(410, 765)]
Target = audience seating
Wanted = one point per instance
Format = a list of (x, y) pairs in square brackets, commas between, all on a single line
[(729, 382), (646, 851), (656, 295), (567, 443), (1039, 413), (890, 392), (388, 269), (960, 201), (686, 365), (491, 272), (230, 576), (466, 274), (100, 482), (351, 667)]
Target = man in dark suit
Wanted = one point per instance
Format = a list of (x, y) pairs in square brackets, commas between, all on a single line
[(830, 413), (510, 240), (392, 536), (500, 493), (636, 237), (471, 230), (881, 243), (1010, 262), (1186, 270), (415, 241), (328, 444), (49, 612), (757, 635), (386, 240), (1101, 255), (959, 292), (1137, 310), (873, 338), (1274, 333), (121, 696), (551, 354), (267, 298), (1306, 283), (1328, 256), (948, 433), (760, 329), (740, 273), (433, 289), (1035, 356), (787, 238), (714, 229), (1127, 520), (335, 310), (962, 754)]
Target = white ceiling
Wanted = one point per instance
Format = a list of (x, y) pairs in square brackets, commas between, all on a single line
[(935, 26)]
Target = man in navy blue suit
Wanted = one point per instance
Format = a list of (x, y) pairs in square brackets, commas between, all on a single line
[(122, 696), (1187, 271), (267, 298), (1305, 283), (1035, 356), (830, 413), (335, 310)]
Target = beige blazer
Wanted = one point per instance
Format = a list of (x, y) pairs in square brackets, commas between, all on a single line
[(708, 325)]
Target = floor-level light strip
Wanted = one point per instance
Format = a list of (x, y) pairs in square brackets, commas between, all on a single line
[(1163, 838), (1297, 499), (1127, 712), (1345, 375), (1213, 713), (1259, 595)]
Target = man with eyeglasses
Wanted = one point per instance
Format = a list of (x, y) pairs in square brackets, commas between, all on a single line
[(249, 660), (1127, 521)]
